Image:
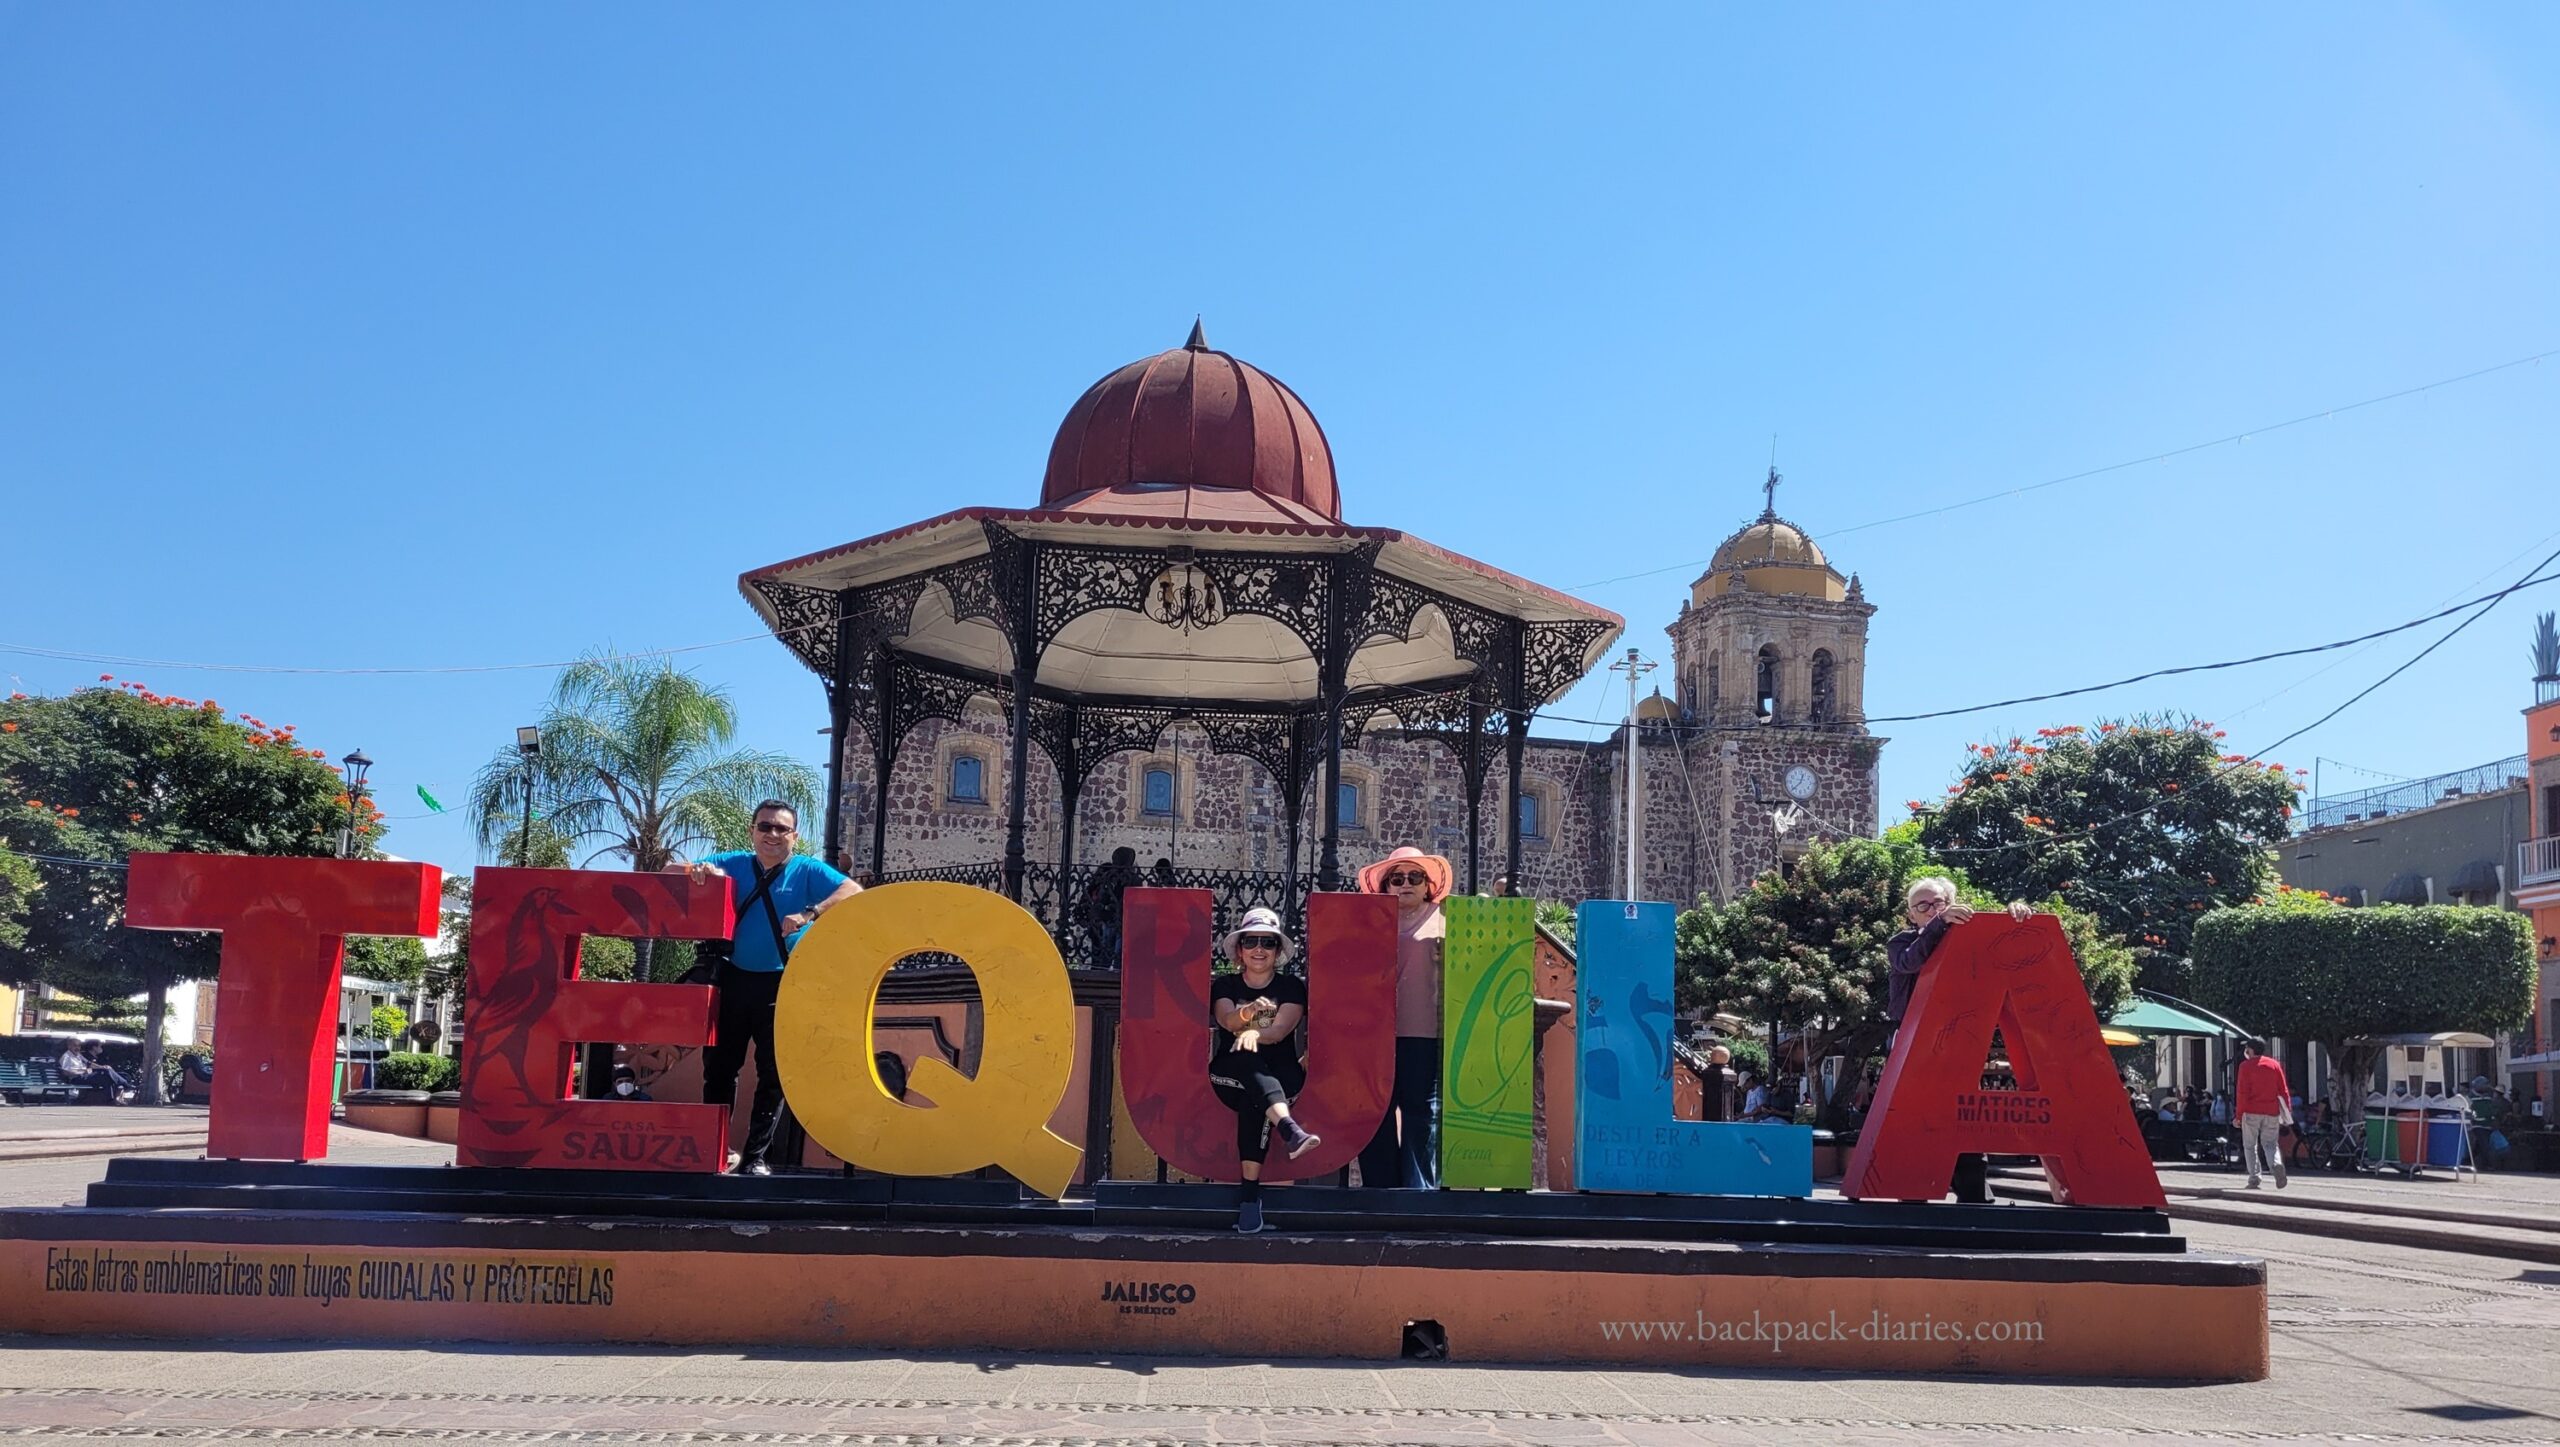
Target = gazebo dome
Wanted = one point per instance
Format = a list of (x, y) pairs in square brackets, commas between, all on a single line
[(1187, 419)]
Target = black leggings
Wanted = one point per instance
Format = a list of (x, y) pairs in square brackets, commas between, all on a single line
[(746, 1015), (1250, 1087)]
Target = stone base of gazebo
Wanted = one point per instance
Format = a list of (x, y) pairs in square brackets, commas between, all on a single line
[(281, 1251)]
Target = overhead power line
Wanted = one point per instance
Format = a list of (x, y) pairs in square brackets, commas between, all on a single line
[(2483, 602), (118, 660), (2256, 758), (2226, 440)]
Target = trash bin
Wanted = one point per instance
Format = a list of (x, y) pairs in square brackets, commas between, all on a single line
[(2378, 1139), (2408, 1136), (2445, 1127)]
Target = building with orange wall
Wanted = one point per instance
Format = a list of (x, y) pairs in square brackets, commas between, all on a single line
[(2538, 872)]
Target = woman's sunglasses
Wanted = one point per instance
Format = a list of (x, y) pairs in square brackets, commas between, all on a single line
[(1259, 942), (1393, 880)]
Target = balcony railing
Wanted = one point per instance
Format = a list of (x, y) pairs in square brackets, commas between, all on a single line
[(2538, 860), (2400, 798)]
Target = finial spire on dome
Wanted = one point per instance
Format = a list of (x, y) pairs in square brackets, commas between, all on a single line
[(1770, 512), (1199, 339)]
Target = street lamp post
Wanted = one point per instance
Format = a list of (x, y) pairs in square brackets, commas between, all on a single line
[(529, 747), (356, 765)]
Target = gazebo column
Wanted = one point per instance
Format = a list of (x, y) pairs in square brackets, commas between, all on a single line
[(884, 755), (1515, 743), (1070, 791), (839, 722), (1329, 846), (1026, 663), (1293, 803), (1471, 773)]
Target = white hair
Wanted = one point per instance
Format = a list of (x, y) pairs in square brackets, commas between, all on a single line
[(1937, 884)]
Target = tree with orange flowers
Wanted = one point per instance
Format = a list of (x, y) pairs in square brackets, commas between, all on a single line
[(91, 777), (2146, 823)]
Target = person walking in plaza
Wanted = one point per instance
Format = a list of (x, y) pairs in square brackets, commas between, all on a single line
[(1405, 1151), (1253, 1054), (1932, 908), (778, 893), (2262, 1102)]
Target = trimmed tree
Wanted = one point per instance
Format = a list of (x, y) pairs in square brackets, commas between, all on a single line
[(2305, 967), (98, 774), (2145, 823)]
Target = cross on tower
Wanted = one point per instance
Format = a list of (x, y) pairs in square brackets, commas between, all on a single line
[(1771, 489)]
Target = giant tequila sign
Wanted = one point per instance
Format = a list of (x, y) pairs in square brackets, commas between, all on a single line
[(285, 923)]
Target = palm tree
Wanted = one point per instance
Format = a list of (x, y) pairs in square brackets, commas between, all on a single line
[(2546, 660), (636, 763)]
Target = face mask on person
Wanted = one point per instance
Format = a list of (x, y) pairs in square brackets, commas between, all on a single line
[(624, 1087)]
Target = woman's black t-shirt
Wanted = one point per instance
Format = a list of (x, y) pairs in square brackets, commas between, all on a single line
[(1284, 989)]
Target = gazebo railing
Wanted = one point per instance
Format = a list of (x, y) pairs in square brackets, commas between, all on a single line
[(1061, 902)]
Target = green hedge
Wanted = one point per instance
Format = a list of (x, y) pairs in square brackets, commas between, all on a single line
[(2333, 974), (412, 1071)]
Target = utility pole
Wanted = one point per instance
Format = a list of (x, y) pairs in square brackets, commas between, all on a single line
[(1634, 667)]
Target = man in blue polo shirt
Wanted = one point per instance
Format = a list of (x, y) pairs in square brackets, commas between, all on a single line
[(778, 894)]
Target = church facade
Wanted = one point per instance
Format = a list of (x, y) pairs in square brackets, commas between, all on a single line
[(1758, 747)]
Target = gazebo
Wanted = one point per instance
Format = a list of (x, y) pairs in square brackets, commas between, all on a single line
[(1187, 561)]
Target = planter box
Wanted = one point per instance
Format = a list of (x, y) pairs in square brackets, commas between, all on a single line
[(444, 1115), (1831, 1155), (394, 1112)]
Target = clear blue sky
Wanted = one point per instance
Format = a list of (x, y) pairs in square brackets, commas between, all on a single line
[(432, 335)]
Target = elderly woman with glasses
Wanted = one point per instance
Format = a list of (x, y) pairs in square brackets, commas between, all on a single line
[(1405, 1152), (1932, 908), (1253, 1055)]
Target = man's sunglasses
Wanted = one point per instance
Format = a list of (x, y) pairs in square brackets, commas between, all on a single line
[(1259, 942), (1396, 879), (774, 826)]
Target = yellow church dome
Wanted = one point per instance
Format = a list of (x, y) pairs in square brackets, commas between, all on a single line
[(1770, 540)]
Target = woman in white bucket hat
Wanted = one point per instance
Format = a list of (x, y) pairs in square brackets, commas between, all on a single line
[(1253, 1057)]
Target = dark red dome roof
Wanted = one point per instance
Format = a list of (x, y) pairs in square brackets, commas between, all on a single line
[(1197, 417)]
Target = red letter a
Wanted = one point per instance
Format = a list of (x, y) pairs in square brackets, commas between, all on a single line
[(1165, 1025), (2069, 1107), (284, 925)]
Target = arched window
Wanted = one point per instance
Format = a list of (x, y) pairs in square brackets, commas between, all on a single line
[(1826, 702), (1768, 682), (1157, 796), (968, 783), (1531, 825), (1346, 804)]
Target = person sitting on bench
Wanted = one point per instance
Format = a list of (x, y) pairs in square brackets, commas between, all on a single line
[(84, 1067), (1253, 1058)]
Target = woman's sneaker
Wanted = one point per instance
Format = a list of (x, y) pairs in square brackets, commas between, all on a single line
[(1298, 1138), (1249, 1217)]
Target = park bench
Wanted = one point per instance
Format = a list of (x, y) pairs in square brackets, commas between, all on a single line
[(29, 1081)]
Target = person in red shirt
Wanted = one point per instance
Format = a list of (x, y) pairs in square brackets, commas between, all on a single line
[(2260, 1097)]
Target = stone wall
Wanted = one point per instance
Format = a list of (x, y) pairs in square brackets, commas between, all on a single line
[(1410, 792)]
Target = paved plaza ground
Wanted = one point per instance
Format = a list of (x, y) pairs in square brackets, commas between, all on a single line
[(2372, 1343)]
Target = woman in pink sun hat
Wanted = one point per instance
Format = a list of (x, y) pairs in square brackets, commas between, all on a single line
[(1405, 1152)]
